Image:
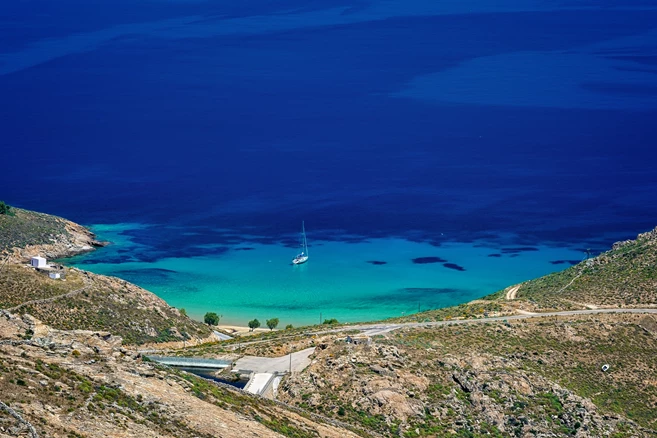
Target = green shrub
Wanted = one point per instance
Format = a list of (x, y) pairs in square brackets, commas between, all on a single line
[(272, 323), (254, 324), (211, 318), (5, 209)]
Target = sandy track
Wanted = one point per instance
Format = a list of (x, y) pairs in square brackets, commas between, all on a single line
[(511, 293)]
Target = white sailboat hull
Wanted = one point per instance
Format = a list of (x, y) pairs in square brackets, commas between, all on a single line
[(299, 260)]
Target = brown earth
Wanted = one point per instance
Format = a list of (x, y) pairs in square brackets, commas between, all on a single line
[(83, 383)]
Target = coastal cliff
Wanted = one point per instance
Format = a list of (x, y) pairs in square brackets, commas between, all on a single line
[(27, 233)]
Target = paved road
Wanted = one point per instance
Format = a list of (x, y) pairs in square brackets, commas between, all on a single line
[(300, 360), (265, 370), (382, 328)]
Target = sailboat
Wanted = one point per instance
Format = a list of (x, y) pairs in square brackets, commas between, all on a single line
[(302, 257)]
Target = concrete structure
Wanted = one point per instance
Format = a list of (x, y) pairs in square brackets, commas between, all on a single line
[(264, 384), (38, 262), (258, 382), (55, 275), (294, 362), (220, 336), (359, 340), (191, 362)]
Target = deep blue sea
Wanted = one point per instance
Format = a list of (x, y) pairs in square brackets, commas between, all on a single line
[(501, 138)]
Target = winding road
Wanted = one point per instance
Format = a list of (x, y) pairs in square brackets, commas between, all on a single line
[(382, 328)]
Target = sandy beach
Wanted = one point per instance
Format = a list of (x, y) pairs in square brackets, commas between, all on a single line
[(240, 330)]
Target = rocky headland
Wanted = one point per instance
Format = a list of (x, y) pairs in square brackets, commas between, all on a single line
[(25, 234)]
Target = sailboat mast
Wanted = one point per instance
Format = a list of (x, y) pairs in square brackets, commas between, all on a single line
[(305, 242)]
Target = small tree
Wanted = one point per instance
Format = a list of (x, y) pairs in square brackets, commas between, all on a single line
[(272, 323), (4, 208), (254, 324), (331, 321), (289, 327), (183, 312), (211, 318)]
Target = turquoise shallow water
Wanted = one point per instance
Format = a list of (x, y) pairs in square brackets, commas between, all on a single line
[(256, 280), (377, 119)]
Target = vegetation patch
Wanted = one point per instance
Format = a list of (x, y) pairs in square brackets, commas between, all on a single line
[(20, 228)]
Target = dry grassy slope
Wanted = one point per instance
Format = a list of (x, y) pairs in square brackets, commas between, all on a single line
[(530, 378), (95, 302), (624, 276), (84, 384)]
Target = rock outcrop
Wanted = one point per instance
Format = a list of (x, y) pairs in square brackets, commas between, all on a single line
[(421, 382), (75, 240), (27, 234)]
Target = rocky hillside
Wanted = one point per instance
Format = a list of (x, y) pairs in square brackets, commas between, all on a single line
[(625, 276), (81, 300), (529, 378), (28, 233), (95, 302), (85, 384), (534, 377)]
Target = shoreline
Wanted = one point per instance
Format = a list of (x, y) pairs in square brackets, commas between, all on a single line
[(234, 283), (385, 278)]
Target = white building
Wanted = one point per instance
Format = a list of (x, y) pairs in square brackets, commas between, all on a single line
[(38, 262), (55, 275)]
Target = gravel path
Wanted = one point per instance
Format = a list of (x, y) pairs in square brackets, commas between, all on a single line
[(87, 283), (511, 293)]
